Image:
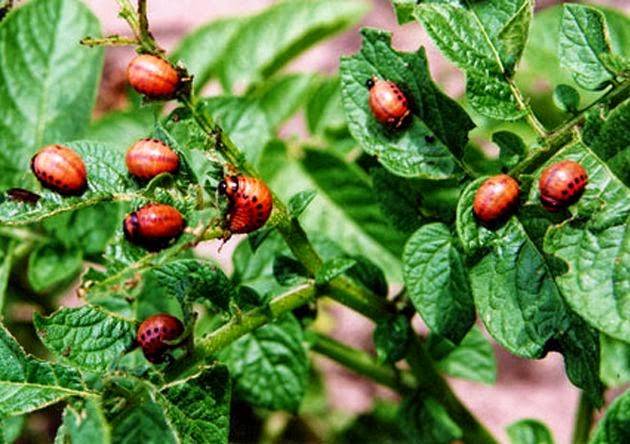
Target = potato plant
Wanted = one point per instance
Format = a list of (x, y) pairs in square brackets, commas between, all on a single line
[(384, 207)]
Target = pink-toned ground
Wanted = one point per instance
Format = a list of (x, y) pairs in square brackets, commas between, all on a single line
[(525, 389)]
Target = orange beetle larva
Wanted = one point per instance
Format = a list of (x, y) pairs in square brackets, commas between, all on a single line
[(60, 169), (562, 184), (496, 199), (154, 332), (251, 203), (387, 102), (149, 157), (153, 76), (153, 226)]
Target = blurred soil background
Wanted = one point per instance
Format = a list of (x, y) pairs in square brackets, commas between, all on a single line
[(525, 389)]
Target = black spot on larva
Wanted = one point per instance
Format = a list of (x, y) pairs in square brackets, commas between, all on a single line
[(583, 177), (245, 196), (565, 192), (577, 180), (254, 199), (259, 206), (155, 330), (571, 185)]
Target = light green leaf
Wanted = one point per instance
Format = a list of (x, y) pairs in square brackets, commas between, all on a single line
[(48, 81), (120, 129), (11, 428), (437, 283), (84, 422), (6, 261), (512, 147), (566, 98), (345, 208), (589, 245), (86, 337), (404, 10), (51, 267), (424, 420), (429, 145), (270, 365), (613, 427), (529, 431), (583, 40), (198, 407), (615, 361), (324, 111), (300, 201), (281, 97), (28, 384), (473, 359), (485, 41), (267, 41), (201, 50), (243, 120)]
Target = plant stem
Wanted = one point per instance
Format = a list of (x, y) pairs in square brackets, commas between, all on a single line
[(430, 381), (362, 363), (112, 40), (583, 420), (562, 135)]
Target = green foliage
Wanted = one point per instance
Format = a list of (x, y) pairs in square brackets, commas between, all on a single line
[(432, 142), (566, 98), (614, 425), (436, 281), (425, 420), (615, 361), (391, 339), (583, 41), (486, 41), (529, 431), (269, 365), (512, 148), (86, 337), (83, 421)]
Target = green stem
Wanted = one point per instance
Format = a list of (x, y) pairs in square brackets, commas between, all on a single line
[(112, 40), (564, 134), (431, 382), (362, 363), (583, 420)]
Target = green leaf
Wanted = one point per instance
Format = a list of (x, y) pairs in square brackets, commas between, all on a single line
[(198, 407), (399, 200), (485, 41), (437, 283), (432, 141), (591, 244), (345, 208), (579, 345), (473, 359), (391, 339), (48, 89), (243, 120), (107, 181), (324, 110), (529, 431), (270, 365), (89, 229), (380, 425), (267, 41), (514, 290), (424, 420), (613, 427), (201, 50), (612, 142), (11, 428), (300, 201), (121, 129), (134, 414), (333, 268), (583, 41), (6, 262), (281, 97), (615, 361), (50, 268), (288, 271), (512, 148), (28, 384), (192, 280), (85, 337), (404, 10), (84, 422)]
